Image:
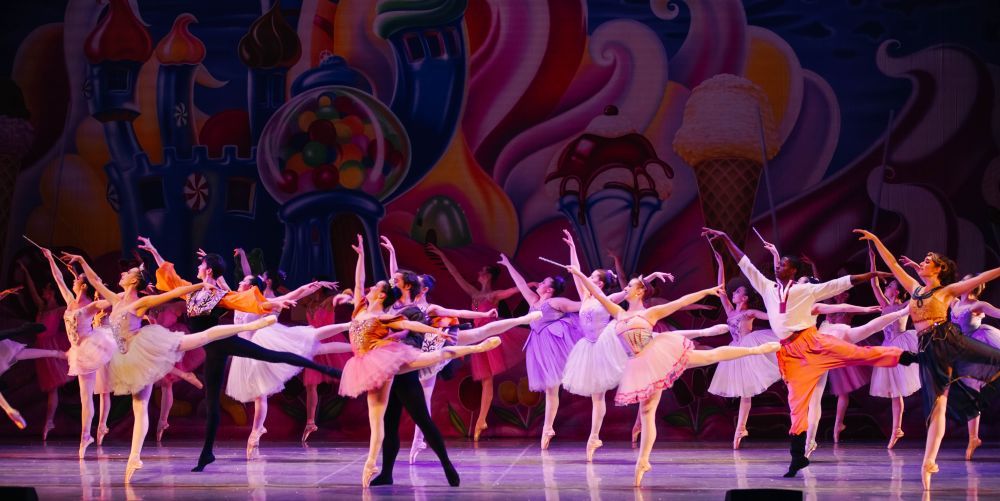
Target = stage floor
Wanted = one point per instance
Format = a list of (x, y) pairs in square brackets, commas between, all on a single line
[(498, 469)]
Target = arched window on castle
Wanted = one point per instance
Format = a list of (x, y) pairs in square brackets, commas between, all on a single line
[(435, 44), (241, 196), (414, 49), (118, 80)]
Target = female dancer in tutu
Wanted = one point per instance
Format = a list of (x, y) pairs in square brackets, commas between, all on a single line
[(321, 311), (551, 339), (147, 353), (52, 372), (378, 357), (902, 380), (486, 365), (945, 353), (745, 377), (967, 312), (168, 316), (90, 348), (656, 362), (255, 380), (12, 351)]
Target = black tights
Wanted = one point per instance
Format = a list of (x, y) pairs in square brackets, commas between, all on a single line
[(407, 393), (216, 355)]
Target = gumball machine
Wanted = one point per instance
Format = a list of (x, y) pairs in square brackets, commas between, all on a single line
[(330, 151)]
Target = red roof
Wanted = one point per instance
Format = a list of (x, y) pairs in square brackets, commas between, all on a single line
[(118, 36), (180, 46)]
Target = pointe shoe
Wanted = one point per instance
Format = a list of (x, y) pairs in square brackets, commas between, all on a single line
[(974, 444), (308, 430), (161, 426), (771, 347), (368, 472), (738, 437), (49, 426), (102, 431), (640, 469), (131, 468), (488, 344), (636, 431), (415, 449), (811, 448), (191, 378), (479, 429), (17, 419), (592, 445), (531, 317), (547, 438), (836, 433), (926, 472), (253, 443), (896, 435), (262, 322), (84, 443)]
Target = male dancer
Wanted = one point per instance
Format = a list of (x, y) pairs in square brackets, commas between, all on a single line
[(805, 355), (204, 309)]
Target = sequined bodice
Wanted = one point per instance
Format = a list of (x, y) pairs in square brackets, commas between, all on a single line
[(203, 301), (77, 328), (593, 318), (740, 323), (634, 340), (930, 310), (966, 319), (123, 325), (367, 334)]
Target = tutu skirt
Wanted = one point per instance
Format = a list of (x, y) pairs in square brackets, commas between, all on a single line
[(8, 353), (847, 379), (92, 353), (52, 372), (190, 360), (373, 369), (547, 349), (249, 379), (152, 353), (901, 380), (595, 366), (496, 361), (747, 376), (654, 368)]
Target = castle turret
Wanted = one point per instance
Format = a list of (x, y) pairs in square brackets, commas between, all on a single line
[(116, 49), (268, 50), (180, 53)]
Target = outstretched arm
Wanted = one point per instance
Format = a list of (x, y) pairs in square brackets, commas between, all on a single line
[(146, 245), (331, 330), (826, 309), (522, 286), (393, 265), (655, 313), (965, 286), (453, 271), (435, 310), (860, 333), (713, 235), (240, 256), (57, 275), (359, 272), (609, 305), (902, 277), (986, 309), (305, 290), (876, 286), (95, 281), (727, 305), (772, 249), (574, 261), (619, 269), (146, 302)]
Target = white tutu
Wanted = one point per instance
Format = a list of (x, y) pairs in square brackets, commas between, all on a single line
[(92, 353), (747, 376), (152, 353), (595, 366), (8, 353), (901, 380), (249, 378)]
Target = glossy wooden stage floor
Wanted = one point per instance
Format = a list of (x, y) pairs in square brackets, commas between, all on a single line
[(507, 469)]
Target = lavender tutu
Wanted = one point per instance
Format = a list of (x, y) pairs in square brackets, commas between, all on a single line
[(747, 376), (250, 379), (901, 380), (548, 346), (8, 353), (971, 324), (151, 354), (657, 362), (596, 363), (370, 370)]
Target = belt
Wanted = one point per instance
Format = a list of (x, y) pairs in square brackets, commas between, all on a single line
[(795, 335)]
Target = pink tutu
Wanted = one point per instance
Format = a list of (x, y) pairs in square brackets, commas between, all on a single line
[(656, 367), (92, 353), (374, 368), (52, 372), (496, 361)]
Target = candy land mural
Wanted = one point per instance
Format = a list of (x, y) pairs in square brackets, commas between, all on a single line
[(470, 128)]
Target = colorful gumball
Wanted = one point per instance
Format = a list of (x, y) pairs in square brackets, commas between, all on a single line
[(289, 181), (351, 152), (344, 133), (314, 153), (322, 131), (344, 105), (325, 177), (324, 101), (327, 113), (296, 164), (369, 131), (360, 141), (352, 174), (354, 122), (305, 119)]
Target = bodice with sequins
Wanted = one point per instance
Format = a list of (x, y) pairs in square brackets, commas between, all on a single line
[(123, 326), (594, 317), (367, 334), (76, 329), (634, 340), (966, 319), (931, 310)]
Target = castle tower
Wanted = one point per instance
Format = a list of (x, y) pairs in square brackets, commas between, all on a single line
[(429, 45), (180, 53), (268, 50), (116, 49)]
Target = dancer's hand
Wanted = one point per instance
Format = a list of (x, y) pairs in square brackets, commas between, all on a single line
[(145, 244), (568, 238), (504, 261), (715, 291), (660, 275), (46, 252), (343, 298), (69, 258), (575, 271), (444, 335), (613, 255), (905, 261), (386, 243), (237, 252), (359, 246), (711, 234), (492, 313), (866, 235), (282, 304), (201, 253)]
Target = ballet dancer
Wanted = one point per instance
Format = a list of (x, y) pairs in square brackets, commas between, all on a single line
[(378, 357), (204, 309), (654, 363), (967, 312), (11, 352), (805, 355), (945, 353), (169, 315), (321, 310), (147, 353), (485, 366)]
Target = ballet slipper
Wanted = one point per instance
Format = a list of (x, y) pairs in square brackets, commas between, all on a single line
[(836, 432), (102, 431), (811, 448), (253, 443), (926, 472), (974, 444), (85, 442), (49, 426), (592, 445), (308, 430), (369, 471), (738, 437), (161, 426), (896, 435), (636, 431), (415, 449), (478, 430), (131, 468), (18, 419), (192, 379), (641, 467), (547, 438)]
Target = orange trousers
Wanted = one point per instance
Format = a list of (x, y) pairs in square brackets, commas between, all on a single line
[(807, 355)]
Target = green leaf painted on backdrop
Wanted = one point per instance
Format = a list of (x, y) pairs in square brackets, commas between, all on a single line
[(536, 413), (678, 419), (456, 421), (509, 417), (331, 409)]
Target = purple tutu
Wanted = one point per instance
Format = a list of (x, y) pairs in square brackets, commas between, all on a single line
[(549, 344)]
